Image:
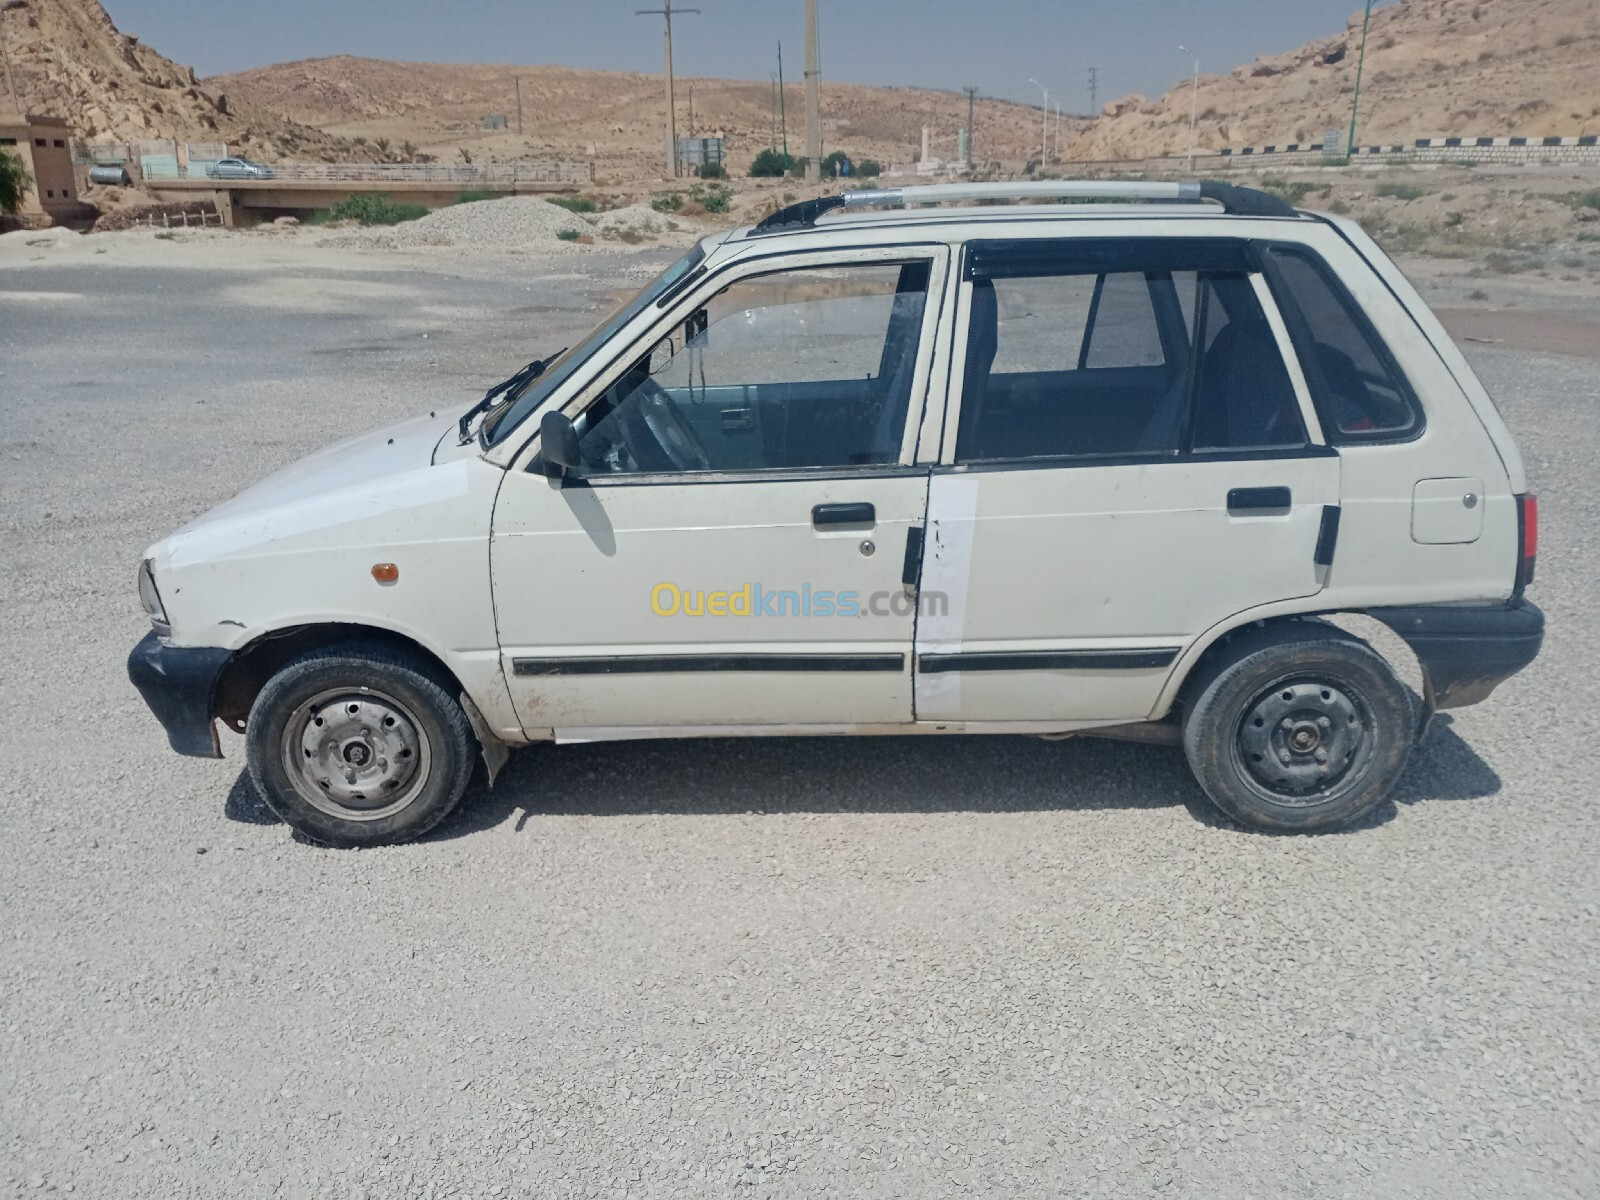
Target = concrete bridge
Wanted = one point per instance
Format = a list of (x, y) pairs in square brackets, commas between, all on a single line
[(298, 188)]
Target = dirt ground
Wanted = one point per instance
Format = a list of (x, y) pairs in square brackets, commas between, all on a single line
[(884, 967)]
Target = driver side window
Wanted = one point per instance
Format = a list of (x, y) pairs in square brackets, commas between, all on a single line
[(804, 368)]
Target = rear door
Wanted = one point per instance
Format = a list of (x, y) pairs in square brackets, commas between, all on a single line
[(1135, 459)]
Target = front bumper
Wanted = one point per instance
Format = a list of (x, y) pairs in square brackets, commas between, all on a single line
[(1466, 651), (178, 683)]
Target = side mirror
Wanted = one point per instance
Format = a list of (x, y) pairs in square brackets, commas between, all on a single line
[(558, 445)]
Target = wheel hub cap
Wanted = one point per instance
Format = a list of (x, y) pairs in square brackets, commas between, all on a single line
[(359, 751), (1299, 739)]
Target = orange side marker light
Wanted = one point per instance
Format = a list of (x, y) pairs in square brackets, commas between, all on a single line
[(386, 572)]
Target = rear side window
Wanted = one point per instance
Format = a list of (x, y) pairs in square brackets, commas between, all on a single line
[(1172, 357), (1360, 392)]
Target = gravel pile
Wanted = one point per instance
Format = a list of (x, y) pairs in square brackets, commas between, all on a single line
[(512, 223), (638, 223)]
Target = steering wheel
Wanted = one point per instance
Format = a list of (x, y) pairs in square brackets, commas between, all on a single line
[(659, 437)]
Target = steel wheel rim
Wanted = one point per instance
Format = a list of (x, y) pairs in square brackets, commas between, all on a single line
[(356, 753), (1302, 738)]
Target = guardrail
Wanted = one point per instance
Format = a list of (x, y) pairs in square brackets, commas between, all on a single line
[(503, 174)]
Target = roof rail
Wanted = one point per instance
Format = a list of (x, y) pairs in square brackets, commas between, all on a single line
[(1235, 200)]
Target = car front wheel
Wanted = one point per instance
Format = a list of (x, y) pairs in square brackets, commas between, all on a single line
[(1300, 728), (357, 746)]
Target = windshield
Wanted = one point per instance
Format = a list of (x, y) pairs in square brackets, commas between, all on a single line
[(499, 424)]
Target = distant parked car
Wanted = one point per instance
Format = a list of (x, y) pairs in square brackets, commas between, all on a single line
[(238, 168)]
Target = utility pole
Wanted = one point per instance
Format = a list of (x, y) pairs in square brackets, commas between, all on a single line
[(972, 104), (783, 110), (518, 78), (1355, 105), (1194, 102), (813, 99), (1094, 91), (773, 140), (672, 116), (1044, 141)]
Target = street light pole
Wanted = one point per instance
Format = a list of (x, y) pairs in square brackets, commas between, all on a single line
[(1194, 103), (1044, 140), (1355, 105)]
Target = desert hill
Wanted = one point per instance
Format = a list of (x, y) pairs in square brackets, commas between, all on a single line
[(69, 59), (440, 108), (1435, 68)]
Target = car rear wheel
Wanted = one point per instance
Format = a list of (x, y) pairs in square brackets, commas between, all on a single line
[(1300, 728), (358, 746)]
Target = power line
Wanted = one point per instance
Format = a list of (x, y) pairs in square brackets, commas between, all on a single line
[(672, 117)]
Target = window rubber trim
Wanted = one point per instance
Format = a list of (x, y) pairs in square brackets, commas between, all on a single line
[(1084, 461), (1304, 343)]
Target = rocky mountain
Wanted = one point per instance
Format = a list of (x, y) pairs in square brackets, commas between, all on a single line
[(69, 59), (618, 117), (1435, 68)]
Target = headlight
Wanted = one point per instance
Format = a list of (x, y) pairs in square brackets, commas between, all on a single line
[(151, 599)]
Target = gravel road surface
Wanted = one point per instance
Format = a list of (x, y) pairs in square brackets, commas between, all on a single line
[(897, 967)]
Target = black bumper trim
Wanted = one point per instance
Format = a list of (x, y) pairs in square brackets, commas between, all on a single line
[(178, 683), (1466, 651)]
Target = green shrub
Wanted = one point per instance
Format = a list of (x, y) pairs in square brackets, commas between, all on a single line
[(712, 170), (1453, 219), (714, 198), (1583, 199), (869, 168), (575, 204), (1292, 192), (569, 235), (474, 197), (14, 182), (670, 203), (374, 208), (768, 165), (1400, 191)]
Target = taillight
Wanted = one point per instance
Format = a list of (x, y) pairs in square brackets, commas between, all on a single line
[(1527, 538)]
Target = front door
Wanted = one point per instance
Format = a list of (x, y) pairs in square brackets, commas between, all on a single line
[(732, 552), (1136, 460)]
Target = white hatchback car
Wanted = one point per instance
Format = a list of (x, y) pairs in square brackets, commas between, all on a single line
[(1035, 469)]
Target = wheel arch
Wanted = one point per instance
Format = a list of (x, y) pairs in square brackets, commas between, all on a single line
[(1220, 643), (251, 665)]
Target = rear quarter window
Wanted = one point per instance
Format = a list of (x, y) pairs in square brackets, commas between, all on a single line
[(1360, 392)]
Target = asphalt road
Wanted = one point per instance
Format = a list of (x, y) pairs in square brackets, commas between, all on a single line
[(896, 967)]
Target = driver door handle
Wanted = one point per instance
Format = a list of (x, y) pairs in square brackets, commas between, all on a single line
[(825, 515)]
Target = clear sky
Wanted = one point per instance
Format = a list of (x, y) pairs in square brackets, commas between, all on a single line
[(995, 45)]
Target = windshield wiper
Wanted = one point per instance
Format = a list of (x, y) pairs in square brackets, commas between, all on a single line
[(515, 384)]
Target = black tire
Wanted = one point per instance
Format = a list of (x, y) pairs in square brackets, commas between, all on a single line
[(389, 746), (1298, 728)]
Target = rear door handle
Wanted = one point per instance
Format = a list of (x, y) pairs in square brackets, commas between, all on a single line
[(1259, 499), (824, 515)]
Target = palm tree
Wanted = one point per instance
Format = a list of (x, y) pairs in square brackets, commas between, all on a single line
[(14, 182)]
